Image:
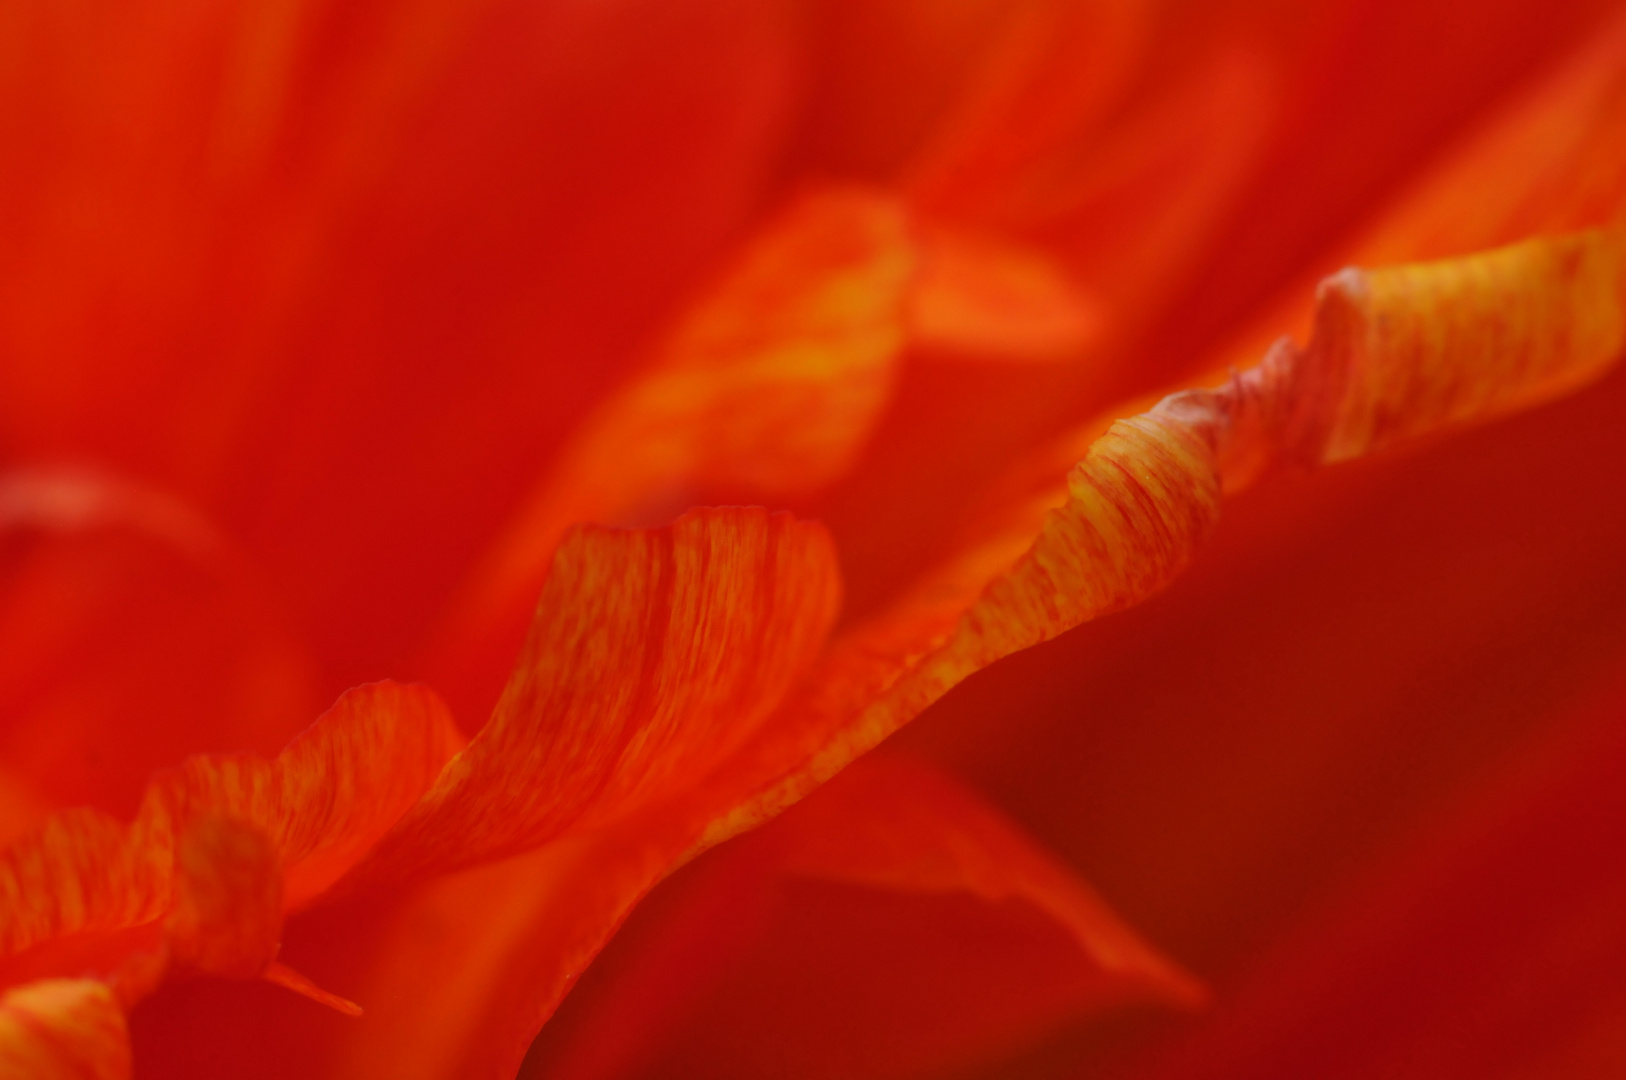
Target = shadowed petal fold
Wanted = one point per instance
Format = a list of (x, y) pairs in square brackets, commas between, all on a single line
[(892, 921)]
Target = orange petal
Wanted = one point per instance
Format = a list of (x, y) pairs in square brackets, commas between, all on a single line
[(320, 805), (131, 635), (1404, 351), (1128, 519), (889, 922), (1548, 161), (1369, 98), (1054, 71), (1137, 212), (653, 654), (227, 916), (1422, 347), (977, 295), (63, 1029), (1403, 357), (77, 872), (332, 792), (767, 387)]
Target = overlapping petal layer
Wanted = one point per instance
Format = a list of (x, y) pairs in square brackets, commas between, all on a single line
[(891, 920), (63, 1029), (1547, 314), (653, 655), (768, 388), (691, 609), (86, 891), (1387, 363), (1128, 518), (1548, 162)]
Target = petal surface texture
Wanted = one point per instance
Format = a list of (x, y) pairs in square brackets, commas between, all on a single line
[(765, 389), (1397, 353), (476, 961), (309, 815), (653, 654)]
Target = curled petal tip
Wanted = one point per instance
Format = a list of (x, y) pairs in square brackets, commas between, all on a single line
[(1405, 351)]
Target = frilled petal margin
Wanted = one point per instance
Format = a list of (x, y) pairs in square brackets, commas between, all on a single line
[(651, 650), (221, 848), (1398, 353), (1551, 161), (767, 388)]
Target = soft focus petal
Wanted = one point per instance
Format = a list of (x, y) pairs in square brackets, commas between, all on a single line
[(63, 1029), (131, 635), (278, 256), (1058, 66), (518, 194), (1490, 947), (975, 295), (1134, 215), (883, 74)]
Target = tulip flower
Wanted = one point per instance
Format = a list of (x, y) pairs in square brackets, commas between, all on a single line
[(1002, 537)]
